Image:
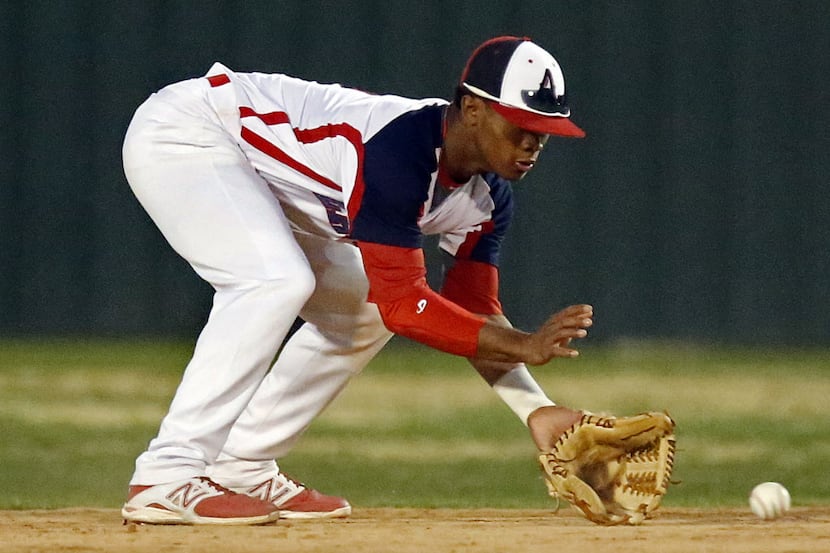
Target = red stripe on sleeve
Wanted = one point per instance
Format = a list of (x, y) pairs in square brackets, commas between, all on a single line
[(308, 136), (271, 150), (354, 138), (218, 80), (272, 118)]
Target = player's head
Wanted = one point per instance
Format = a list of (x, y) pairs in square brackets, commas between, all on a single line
[(522, 82)]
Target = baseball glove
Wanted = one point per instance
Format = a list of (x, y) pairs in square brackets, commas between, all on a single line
[(612, 470)]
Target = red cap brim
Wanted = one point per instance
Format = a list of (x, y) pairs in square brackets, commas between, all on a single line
[(542, 124)]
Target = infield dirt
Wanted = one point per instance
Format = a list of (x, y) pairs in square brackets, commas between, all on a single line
[(804, 529)]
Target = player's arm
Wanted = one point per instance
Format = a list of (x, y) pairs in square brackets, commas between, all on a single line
[(475, 286), (409, 307), (397, 284)]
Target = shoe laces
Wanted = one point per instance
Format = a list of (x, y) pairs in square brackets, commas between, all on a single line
[(211, 484), (292, 481)]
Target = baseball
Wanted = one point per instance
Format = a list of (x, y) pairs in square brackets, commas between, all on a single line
[(769, 500)]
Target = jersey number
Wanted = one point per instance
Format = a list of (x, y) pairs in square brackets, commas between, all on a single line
[(335, 212)]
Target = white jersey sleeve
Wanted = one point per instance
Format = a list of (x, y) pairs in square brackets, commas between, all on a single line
[(316, 129)]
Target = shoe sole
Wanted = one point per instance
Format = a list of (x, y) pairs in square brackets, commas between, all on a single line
[(150, 515), (342, 512)]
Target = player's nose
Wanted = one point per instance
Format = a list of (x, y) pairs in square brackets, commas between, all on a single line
[(534, 142)]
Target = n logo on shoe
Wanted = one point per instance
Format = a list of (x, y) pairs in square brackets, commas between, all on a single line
[(270, 490), (185, 495)]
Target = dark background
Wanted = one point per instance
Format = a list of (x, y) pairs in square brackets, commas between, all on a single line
[(697, 208)]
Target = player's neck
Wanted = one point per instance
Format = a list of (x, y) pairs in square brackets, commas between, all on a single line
[(458, 159)]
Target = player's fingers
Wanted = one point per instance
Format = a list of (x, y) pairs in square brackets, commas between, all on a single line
[(564, 352), (575, 311), (556, 352), (577, 320), (557, 344), (561, 340), (554, 337)]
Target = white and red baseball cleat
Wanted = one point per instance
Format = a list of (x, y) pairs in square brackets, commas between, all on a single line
[(296, 501), (195, 501)]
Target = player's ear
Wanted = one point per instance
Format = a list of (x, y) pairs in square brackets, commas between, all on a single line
[(472, 109)]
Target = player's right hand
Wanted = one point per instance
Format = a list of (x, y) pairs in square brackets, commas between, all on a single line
[(504, 344), (555, 335)]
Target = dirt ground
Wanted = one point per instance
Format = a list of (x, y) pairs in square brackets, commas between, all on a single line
[(426, 530)]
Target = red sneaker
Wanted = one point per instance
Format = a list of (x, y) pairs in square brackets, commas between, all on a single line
[(296, 501), (195, 501)]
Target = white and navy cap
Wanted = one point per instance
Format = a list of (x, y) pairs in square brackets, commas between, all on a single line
[(524, 83)]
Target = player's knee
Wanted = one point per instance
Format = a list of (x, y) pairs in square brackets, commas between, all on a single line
[(296, 288), (279, 294), (303, 285)]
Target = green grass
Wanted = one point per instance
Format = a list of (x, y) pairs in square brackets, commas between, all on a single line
[(419, 428)]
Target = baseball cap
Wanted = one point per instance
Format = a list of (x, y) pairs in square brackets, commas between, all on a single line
[(524, 84)]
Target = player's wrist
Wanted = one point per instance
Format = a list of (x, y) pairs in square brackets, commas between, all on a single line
[(499, 343), (520, 391)]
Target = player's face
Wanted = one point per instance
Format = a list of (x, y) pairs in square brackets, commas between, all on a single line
[(508, 150)]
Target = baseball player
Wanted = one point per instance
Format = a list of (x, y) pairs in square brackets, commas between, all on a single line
[(294, 198)]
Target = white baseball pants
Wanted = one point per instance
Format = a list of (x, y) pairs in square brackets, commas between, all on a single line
[(222, 217)]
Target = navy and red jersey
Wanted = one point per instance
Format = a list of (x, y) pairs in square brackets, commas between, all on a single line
[(361, 167)]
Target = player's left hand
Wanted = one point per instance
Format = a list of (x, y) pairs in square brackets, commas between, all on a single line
[(547, 424), (613, 470)]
